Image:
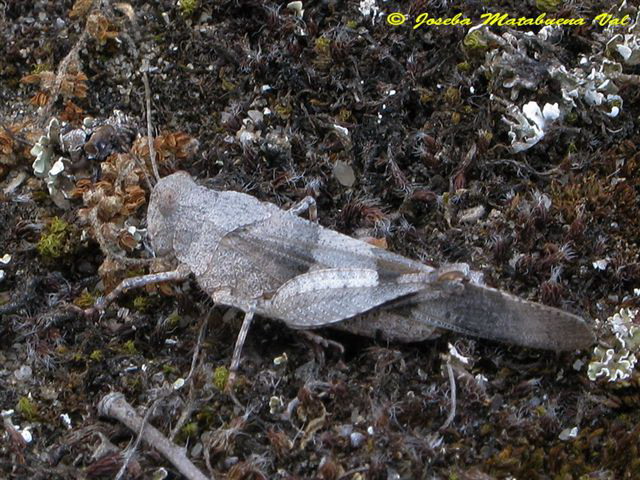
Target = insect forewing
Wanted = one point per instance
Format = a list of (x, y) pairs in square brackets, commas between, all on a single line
[(327, 296)]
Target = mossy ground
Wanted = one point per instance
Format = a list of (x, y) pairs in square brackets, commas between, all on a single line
[(405, 97)]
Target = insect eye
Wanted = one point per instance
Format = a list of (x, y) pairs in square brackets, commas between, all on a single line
[(167, 201)]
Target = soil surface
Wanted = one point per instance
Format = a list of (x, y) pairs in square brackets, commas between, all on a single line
[(510, 148)]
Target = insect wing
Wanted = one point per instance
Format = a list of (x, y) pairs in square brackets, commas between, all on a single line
[(260, 257), (323, 297), (489, 313)]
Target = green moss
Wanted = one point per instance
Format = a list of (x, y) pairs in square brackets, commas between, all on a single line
[(85, 299), (464, 67), (129, 347), (41, 67), (142, 304), (353, 24), (323, 46), (426, 96), (548, 5), (344, 115), (536, 461), (190, 430), (187, 7), (96, 356), (27, 408), (58, 240), (283, 111), (173, 320), (452, 95), (220, 377), (207, 416), (169, 369), (475, 42), (134, 272)]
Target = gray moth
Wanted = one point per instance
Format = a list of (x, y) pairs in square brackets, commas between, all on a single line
[(264, 260)]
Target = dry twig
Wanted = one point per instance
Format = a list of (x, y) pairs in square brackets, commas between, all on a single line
[(114, 405)]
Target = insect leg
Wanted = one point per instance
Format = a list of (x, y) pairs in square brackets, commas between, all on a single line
[(320, 340), (137, 282), (237, 350), (307, 203)]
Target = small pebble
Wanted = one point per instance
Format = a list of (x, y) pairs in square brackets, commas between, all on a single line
[(23, 373), (356, 439)]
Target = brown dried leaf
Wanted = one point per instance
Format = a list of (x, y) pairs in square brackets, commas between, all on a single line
[(100, 28), (82, 186), (72, 113), (110, 232), (40, 99), (105, 187), (83, 215), (109, 207), (31, 79), (112, 273), (127, 241), (80, 8), (7, 143)]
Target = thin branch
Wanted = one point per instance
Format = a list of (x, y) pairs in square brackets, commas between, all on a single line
[(114, 405), (190, 406), (452, 385), (132, 450)]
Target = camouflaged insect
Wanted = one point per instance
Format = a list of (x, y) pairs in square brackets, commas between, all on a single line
[(263, 260)]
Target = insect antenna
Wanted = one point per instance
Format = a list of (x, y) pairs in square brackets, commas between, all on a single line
[(147, 95)]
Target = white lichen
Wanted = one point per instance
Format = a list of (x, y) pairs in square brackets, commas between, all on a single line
[(44, 166), (625, 46), (527, 126), (296, 8), (617, 363), (43, 150), (514, 63), (368, 8)]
